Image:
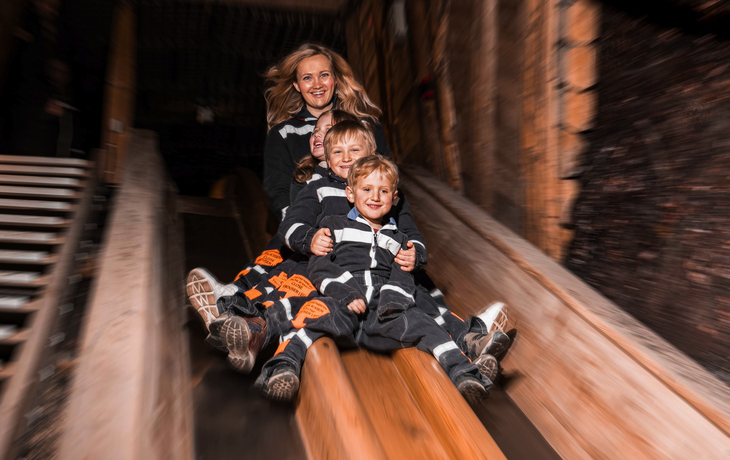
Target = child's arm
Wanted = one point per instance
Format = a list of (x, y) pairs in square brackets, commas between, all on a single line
[(298, 227), (330, 278), (406, 224), (396, 296)]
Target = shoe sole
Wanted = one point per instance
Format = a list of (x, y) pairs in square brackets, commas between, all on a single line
[(282, 387), (201, 295), (473, 392), (497, 347), (235, 335), (488, 366)]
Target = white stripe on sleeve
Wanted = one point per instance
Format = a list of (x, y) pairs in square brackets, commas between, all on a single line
[(304, 337), (443, 348), (345, 277), (324, 192), (353, 235), (390, 287), (289, 129), (290, 231)]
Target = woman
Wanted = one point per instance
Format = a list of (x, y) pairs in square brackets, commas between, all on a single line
[(303, 85)]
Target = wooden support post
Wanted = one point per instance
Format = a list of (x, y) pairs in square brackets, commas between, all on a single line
[(484, 108), (419, 40), (439, 20), (540, 128), (119, 94)]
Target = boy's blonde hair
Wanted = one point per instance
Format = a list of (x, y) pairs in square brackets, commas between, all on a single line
[(366, 165), (345, 130)]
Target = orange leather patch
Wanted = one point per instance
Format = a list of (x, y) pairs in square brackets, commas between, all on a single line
[(269, 258), (253, 293), (268, 303), (297, 286), (281, 347), (312, 309), (278, 280)]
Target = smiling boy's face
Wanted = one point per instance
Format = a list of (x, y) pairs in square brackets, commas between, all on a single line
[(373, 197), (345, 152)]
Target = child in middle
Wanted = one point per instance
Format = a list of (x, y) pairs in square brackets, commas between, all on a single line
[(370, 301)]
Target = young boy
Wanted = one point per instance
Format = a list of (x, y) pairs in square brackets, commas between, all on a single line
[(370, 302)]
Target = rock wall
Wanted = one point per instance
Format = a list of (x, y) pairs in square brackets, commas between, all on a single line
[(652, 222)]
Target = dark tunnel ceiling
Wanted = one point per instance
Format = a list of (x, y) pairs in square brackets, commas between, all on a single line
[(213, 54)]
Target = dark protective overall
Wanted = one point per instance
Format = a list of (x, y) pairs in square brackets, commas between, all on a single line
[(362, 266)]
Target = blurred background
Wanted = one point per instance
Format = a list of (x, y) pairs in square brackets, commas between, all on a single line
[(599, 131)]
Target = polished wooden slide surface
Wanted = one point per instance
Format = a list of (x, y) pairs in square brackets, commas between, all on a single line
[(593, 380)]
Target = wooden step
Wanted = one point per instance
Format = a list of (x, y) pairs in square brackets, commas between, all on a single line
[(11, 335), (52, 161), (21, 278), (33, 221), (34, 205), (27, 257), (13, 302), (452, 419), (40, 192), (39, 180), (15, 236), (43, 170)]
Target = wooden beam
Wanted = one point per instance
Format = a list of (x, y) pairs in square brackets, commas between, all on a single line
[(484, 108), (131, 395), (439, 21), (119, 93), (420, 40), (540, 128)]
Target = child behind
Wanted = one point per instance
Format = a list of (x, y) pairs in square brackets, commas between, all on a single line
[(369, 299)]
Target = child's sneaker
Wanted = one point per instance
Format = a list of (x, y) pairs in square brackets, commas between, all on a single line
[(203, 290), (488, 366), (243, 337), (495, 343), (283, 383), (494, 317), (471, 389)]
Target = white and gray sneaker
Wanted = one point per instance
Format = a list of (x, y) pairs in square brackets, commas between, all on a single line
[(204, 290)]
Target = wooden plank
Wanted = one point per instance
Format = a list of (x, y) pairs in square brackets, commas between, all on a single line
[(7, 370), (22, 278), (452, 419), (15, 236), (45, 161), (33, 221), (329, 412), (397, 419), (38, 180), (13, 302), (116, 403), (39, 192), (27, 257), (610, 387), (36, 205), (43, 170)]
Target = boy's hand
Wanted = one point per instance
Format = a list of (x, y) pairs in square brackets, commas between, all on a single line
[(357, 306), (406, 259), (322, 243)]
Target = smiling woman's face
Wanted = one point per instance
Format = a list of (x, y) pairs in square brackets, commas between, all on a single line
[(316, 83)]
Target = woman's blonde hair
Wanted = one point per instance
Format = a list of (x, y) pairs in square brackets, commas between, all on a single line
[(283, 100), (307, 165)]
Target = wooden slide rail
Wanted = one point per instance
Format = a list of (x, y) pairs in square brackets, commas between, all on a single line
[(363, 405), (593, 380), (131, 396)]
